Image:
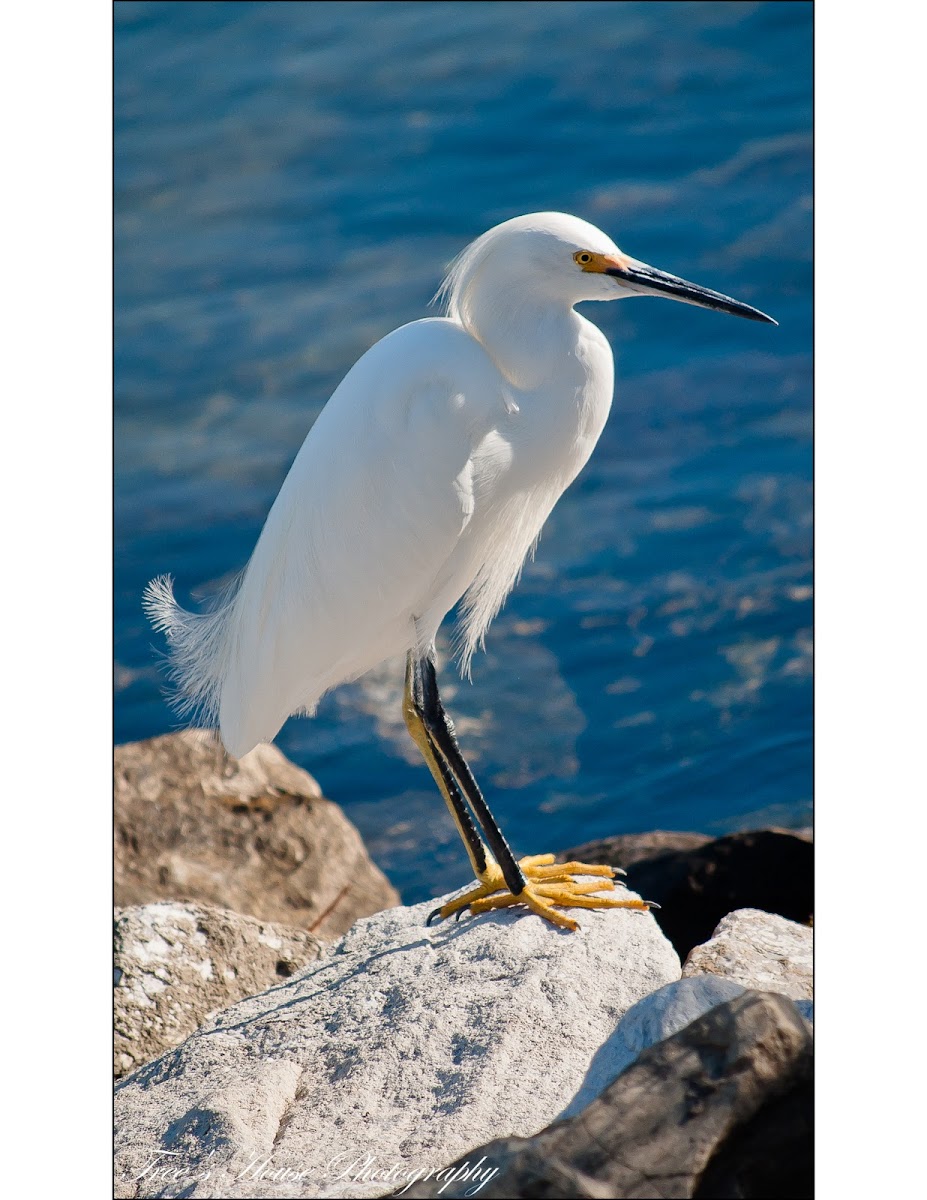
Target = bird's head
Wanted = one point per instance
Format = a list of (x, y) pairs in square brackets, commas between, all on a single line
[(563, 258)]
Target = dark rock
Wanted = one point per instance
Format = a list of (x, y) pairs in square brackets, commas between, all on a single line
[(721, 1109), (629, 848), (767, 869), (772, 1155), (254, 836)]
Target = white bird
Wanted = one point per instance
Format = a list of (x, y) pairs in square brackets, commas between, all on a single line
[(426, 481)]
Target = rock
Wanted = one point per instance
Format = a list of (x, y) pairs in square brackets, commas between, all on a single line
[(758, 950), (721, 1108), (626, 849), (406, 1042), (658, 1016), (254, 836), (177, 964), (769, 869), (772, 1155), (806, 1008)]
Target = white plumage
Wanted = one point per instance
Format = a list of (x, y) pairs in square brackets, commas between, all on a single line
[(426, 479)]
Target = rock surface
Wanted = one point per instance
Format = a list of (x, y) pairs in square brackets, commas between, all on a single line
[(722, 1108), (698, 884), (626, 849), (405, 1042), (651, 1020), (177, 964), (758, 950), (655, 1018), (254, 836)]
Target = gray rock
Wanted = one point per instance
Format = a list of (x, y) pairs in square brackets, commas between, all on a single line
[(658, 1016), (758, 950), (406, 1043), (722, 1108), (177, 964), (252, 835), (651, 1020)]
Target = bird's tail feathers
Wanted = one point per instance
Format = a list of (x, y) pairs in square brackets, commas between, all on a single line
[(198, 647)]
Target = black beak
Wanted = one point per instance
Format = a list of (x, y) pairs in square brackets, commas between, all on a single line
[(647, 281)]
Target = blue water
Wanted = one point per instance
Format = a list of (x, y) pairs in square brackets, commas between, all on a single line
[(291, 180)]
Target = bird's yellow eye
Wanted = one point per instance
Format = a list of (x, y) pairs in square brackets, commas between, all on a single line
[(582, 257)]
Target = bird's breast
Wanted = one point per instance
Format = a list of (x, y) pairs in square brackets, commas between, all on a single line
[(556, 426)]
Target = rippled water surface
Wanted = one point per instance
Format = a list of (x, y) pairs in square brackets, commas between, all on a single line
[(291, 181)]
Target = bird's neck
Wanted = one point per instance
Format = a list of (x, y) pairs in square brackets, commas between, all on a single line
[(527, 337)]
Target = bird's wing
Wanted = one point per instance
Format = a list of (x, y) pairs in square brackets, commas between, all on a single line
[(366, 520)]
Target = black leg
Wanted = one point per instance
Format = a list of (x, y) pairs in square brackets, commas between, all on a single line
[(413, 710), (441, 732)]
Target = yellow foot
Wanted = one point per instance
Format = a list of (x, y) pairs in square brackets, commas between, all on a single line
[(547, 883)]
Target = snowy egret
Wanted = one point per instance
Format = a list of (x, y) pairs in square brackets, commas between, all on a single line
[(425, 481)]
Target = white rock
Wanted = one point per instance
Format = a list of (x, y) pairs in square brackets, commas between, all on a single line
[(177, 964), (406, 1044), (758, 950)]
